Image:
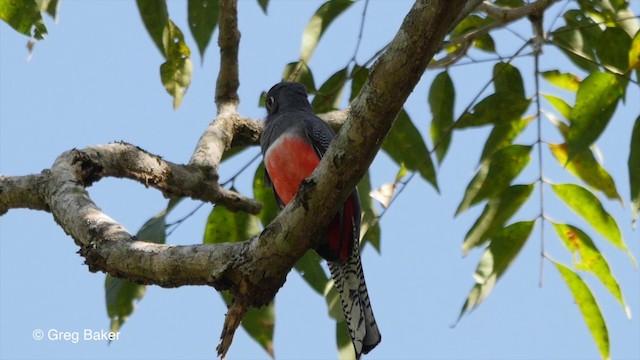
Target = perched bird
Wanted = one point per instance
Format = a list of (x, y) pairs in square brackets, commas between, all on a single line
[(293, 141)]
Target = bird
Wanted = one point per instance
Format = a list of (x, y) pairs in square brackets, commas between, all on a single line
[(293, 141)]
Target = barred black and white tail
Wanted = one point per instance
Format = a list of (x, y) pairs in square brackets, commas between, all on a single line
[(349, 280)]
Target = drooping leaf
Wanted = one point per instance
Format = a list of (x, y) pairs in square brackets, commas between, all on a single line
[(563, 108), (587, 257), (310, 268), (495, 175), (226, 226), (203, 19), (358, 77), (259, 323), (264, 193), (613, 50), (494, 109), (343, 341), (328, 96), (634, 52), (495, 215), (503, 135), (155, 17), (299, 72), (369, 227), (588, 307), (122, 295), (596, 101), (318, 24), (587, 205), (507, 78), (405, 145), (441, 100), (384, 194), (264, 4), (634, 170), (500, 253), (176, 71), (565, 81), (585, 167), (24, 16)]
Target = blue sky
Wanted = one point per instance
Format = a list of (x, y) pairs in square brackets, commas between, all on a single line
[(95, 80)]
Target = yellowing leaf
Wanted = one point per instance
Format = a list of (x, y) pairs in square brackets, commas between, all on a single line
[(588, 307), (634, 52), (585, 166), (587, 257), (175, 73), (587, 205), (566, 81)]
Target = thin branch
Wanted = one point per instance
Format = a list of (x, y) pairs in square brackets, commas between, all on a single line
[(507, 15)]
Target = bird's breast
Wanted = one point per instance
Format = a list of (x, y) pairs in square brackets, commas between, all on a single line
[(289, 160)]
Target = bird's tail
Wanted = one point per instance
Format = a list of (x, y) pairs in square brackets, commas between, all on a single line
[(349, 280)]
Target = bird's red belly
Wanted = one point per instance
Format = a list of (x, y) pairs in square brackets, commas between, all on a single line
[(289, 160)]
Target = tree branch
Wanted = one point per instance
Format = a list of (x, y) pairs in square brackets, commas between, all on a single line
[(253, 270)]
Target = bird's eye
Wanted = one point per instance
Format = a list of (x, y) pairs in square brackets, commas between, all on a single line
[(269, 102)]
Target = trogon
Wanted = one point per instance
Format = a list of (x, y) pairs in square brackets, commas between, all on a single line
[(293, 141)]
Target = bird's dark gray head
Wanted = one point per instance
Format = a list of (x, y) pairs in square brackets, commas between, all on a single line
[(286, 96)]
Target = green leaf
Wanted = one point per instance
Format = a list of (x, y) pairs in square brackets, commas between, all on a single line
[(565, 81), (588, 307), (226, 226), (264, 193), (441, 100), (318, 24), (472, 23), (299, 72), (634, 52), (310, 268), (175, 73), (563, 108), (155, 17), (500, 253), (586, 168), (343, 340), (596, 101), (405, 145), (327, 98), (495, 175), (121, 295), (587, 257), (334, 304), (370, 227), (634, 170), (507, 78), (494, 109), (613, 50), (24, 16), (203, 19), (587, 205), (484, 42), (259, 323), (263, 5), (495, 215), (503, 135), (359, 75)]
